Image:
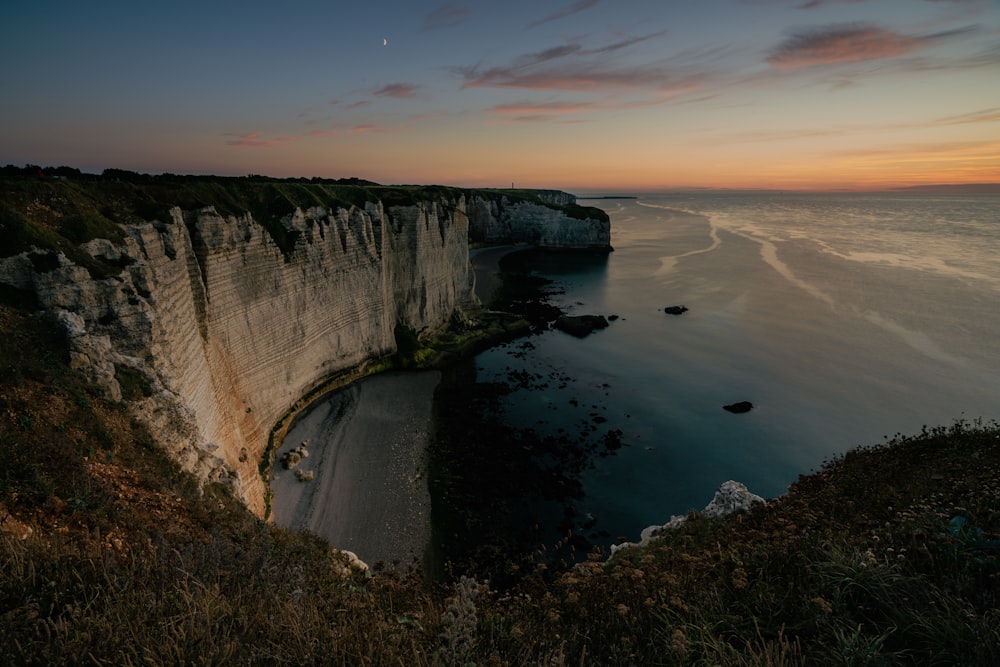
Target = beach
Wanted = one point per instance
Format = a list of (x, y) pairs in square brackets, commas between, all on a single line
[(367, 446)]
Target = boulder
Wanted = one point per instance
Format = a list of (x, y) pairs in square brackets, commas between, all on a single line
[(293, 457), (675, 310), (738, 408), (580, 325)]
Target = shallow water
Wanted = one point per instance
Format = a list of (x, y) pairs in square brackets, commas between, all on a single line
[(843, 319)]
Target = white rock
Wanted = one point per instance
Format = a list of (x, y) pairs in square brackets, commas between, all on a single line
[(731, 497)]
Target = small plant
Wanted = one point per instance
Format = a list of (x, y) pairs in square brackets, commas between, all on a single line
[(460, 622)]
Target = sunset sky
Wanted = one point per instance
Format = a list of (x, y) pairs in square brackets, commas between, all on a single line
[(588, 95)]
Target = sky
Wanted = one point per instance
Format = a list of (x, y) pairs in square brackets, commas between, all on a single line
[(579, 95)]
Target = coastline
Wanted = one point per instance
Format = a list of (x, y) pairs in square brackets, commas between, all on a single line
[(367, 446), (486, 265)]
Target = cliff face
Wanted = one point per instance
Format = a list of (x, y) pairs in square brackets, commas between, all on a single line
[(507, 220), (212, 331)]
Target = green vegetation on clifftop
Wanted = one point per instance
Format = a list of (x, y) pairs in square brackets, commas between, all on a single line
[(57, 209)]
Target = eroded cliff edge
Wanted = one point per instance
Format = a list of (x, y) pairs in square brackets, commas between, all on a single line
[(213, 325)]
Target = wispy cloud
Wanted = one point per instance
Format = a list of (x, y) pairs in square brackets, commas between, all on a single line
[(368, 129), (948, 151), (991, 115), (347, 130), (536, 112), (569, 10), (813, 4), (350, 105), (533, 108), (574, 111), (258, 140), (255, 140), (445, 16), (398, 91), (571, 66), (841, 44), (581, 77)]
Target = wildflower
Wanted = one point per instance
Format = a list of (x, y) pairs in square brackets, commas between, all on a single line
[(739, 579), (824, 606), (679, 642)]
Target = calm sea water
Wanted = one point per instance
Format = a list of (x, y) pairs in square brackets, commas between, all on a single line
[(842, 318)]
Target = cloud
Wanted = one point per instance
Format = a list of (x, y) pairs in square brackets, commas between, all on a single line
[(845, 44), (445, 16), (990, 115), (983, 152), (842, 44), (540, 111), (569, 10), (983, 116), (397, 91), (367, 129), (575, 77), (347, 106), (571, 66), (559, 111), (255, 140), (548, 107), (813, 4)]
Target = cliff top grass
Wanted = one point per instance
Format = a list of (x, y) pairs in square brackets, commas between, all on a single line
[(888, 554), (56, 209)]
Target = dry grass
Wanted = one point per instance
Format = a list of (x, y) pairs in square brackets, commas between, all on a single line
[(888, 555)]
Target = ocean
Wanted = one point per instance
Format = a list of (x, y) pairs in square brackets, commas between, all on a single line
[(844, 318)]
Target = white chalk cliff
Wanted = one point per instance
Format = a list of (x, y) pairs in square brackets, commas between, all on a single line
[(505, 220), (226, 331)]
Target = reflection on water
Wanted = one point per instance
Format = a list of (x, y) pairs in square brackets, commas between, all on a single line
[(843, 319)]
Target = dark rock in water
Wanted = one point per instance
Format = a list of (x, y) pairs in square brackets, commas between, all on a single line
[(739, 408), (675, 310), (612, 318), (580, 325)]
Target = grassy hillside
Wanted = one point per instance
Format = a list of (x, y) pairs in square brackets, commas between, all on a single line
[(889, 554)]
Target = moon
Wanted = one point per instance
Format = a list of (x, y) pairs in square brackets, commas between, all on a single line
[(385, 42)]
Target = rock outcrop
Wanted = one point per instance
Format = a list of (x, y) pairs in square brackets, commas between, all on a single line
[(216, 325), (731, 497), (581, 326)]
